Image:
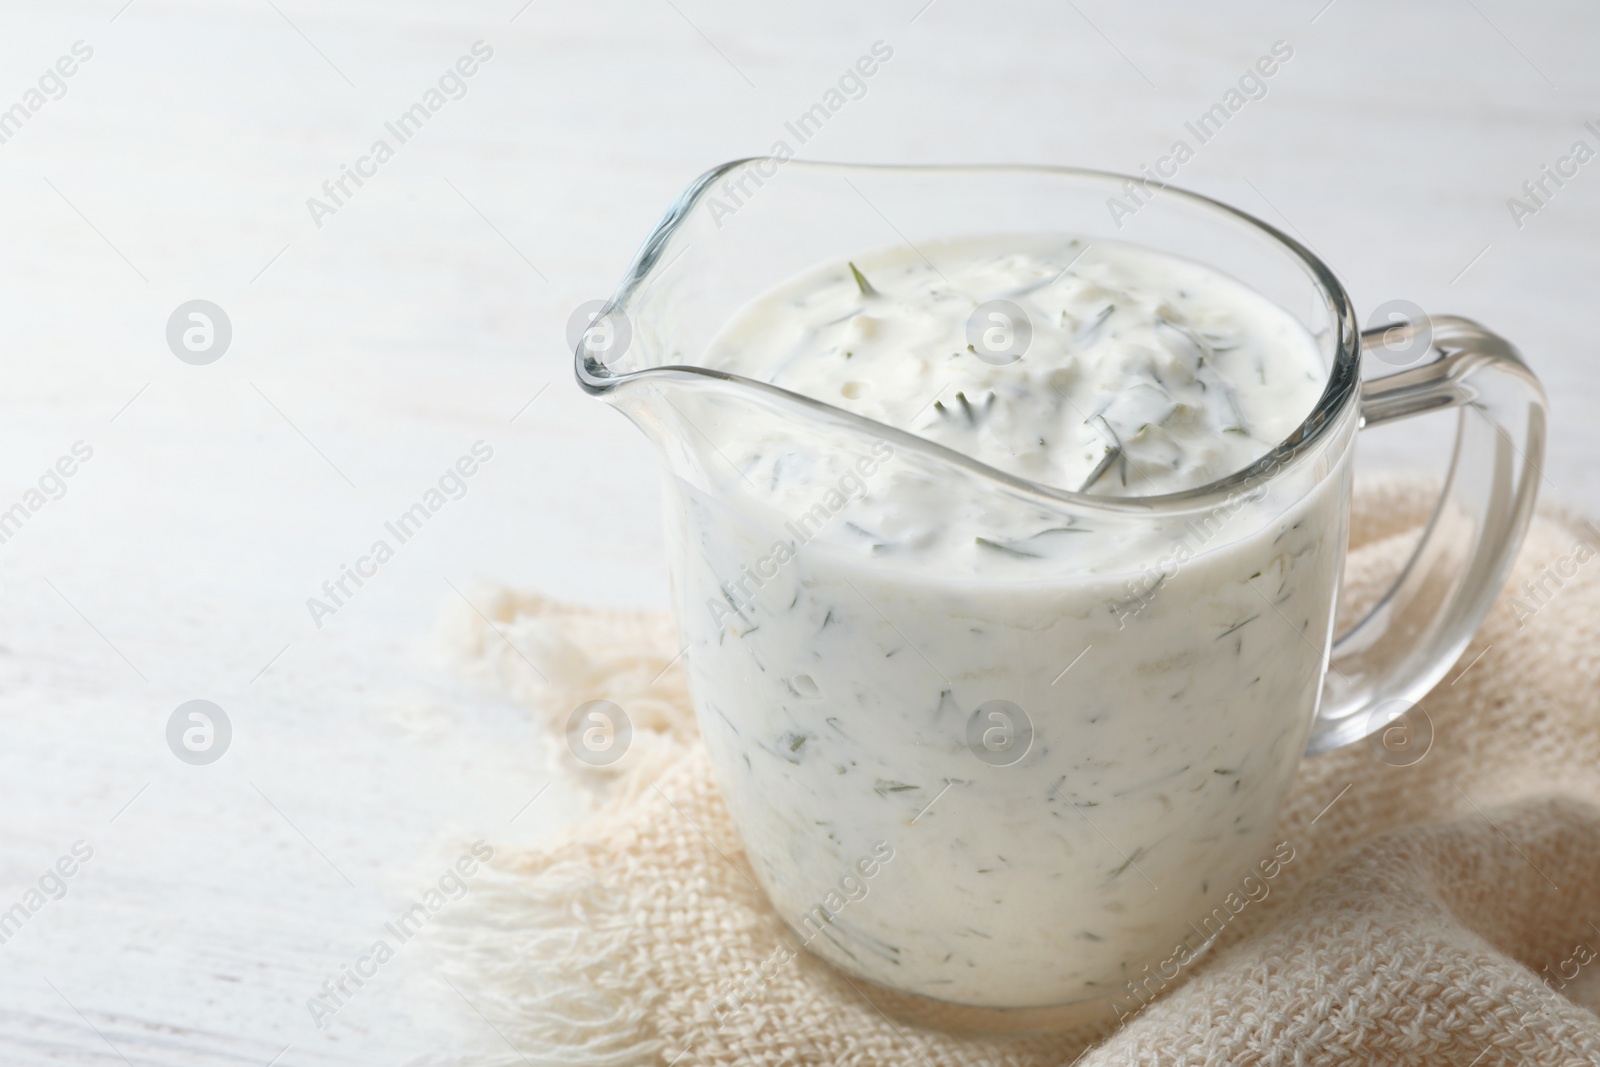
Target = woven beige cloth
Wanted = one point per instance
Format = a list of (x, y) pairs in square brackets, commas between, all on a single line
[(1444, 912)]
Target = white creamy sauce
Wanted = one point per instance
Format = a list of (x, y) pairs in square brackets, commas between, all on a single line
[(1190, 373), (853, 611)]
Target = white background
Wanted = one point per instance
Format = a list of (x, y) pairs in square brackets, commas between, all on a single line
[(369, 353)]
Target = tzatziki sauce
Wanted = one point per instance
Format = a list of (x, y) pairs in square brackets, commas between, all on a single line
[(1073, 727)]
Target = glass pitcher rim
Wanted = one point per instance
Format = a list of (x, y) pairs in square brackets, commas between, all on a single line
[(1338, 395)]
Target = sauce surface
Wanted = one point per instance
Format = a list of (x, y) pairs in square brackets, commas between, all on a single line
[(1043, 361)]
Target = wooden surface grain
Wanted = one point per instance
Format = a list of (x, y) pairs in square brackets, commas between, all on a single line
[(427, 313)]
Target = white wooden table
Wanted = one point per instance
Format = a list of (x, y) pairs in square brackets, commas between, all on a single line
[(428, 310)]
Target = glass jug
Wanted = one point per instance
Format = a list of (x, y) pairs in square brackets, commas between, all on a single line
[(1012, 799)]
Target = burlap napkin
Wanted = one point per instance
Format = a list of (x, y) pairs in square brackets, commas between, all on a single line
[(1438, 910)]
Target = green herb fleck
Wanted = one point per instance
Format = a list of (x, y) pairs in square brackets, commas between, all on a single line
[(1126, 864), (1237, 625), (1113, 454), (862, 283), (1007, 549), (791, 746), (1087, 335)]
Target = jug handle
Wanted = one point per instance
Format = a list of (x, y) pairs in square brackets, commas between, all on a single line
[(1407, 643)]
